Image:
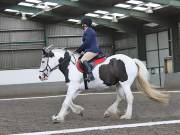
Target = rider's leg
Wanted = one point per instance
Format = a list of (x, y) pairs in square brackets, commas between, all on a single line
[(88, 70), (86, 57)]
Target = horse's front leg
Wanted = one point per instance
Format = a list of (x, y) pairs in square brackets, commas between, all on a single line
[(71, 92), (77, 109)]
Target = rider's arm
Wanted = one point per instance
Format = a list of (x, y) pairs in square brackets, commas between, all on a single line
[(86, 40)]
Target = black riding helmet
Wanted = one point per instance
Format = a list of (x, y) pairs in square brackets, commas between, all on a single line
[(87, 21)]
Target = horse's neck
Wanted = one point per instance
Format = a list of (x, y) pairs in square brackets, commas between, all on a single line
[(72, 63), (73, 71)]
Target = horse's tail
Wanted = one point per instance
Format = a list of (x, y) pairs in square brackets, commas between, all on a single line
[(142, 83)]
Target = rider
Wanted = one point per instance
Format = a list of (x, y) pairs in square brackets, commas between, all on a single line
[(89, 46)]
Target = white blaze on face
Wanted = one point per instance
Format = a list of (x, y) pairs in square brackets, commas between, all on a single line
[(47, 64), (43, 70)]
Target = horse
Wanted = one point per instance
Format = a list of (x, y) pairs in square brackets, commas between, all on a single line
[(117, 70)]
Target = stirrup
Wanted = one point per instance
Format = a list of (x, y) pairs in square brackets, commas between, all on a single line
[(90, 77)]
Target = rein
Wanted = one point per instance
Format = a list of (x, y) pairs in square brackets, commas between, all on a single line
[(74, 59), (52, 69), (47, 66), (46, 69)]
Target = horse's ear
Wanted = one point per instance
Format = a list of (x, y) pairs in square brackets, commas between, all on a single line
[(46, 51), (61, 60), (49, 48), (66, 54), (51, 54), (65, 61), (43, 51), (65, 48)]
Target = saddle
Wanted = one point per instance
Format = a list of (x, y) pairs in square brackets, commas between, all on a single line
[(93, 62)]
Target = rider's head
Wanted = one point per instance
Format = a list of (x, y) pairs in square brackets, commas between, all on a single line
[(86, 22)]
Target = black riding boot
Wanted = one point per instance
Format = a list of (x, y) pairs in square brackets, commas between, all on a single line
[(88, 69)]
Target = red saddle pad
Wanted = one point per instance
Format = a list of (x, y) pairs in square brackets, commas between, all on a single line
[(93, 63)]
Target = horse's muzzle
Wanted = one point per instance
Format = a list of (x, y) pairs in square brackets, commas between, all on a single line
[(42, 78)]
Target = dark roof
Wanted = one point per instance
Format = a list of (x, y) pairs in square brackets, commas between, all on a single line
[(71, 9)]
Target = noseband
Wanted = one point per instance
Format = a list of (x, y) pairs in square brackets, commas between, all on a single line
[(48, 68)]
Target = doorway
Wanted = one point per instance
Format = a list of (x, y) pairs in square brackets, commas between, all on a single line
[(158, 46)]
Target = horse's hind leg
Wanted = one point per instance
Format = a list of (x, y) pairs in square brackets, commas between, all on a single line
[(129, 98), (113, 109)]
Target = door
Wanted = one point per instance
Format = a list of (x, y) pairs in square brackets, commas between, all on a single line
[(157, 48)]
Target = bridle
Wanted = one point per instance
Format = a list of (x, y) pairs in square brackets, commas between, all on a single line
[(73, 62), (48, 68), (72, 54)]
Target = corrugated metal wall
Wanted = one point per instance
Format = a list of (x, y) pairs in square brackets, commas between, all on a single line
[(127, 44), (106, 42), (20, 43), (63, 35)]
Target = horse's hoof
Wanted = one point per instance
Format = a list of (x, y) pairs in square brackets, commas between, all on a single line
[(56, 119), (106, 115), (115, 116), (80, 111), (81, 114), (127, 117)]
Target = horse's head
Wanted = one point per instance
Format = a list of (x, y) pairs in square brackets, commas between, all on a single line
[(51, 60), (48, 62)]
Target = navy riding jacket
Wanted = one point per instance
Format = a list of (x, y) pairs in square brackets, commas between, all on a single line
[(89, 41)]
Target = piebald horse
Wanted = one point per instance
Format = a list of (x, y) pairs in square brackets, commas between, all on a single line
[(119, 70)]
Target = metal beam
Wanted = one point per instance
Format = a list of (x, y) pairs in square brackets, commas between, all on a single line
[(72, 4), (106, 23), (136, 14), (176, 47), (174, 3), (129, 12), (90, 8), (140, 15), (123, 28), (163, 2), (36, 11), (25, 9)]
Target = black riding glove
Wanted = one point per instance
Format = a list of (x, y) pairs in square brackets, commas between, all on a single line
[(79, 50)]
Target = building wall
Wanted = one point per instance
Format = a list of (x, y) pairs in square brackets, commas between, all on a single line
[(68, 36), (126, 44), (20, 43), (157, 49)]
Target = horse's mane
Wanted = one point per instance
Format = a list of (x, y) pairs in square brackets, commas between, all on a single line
[(63, 50)]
